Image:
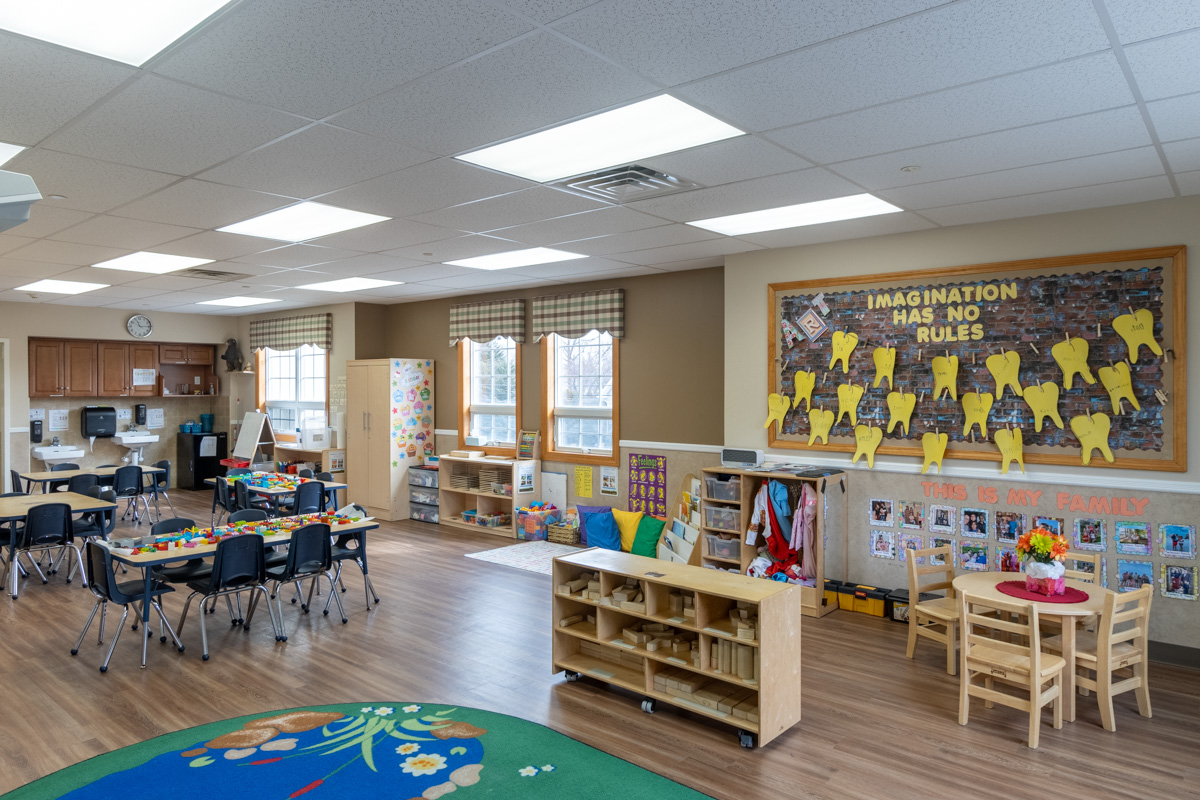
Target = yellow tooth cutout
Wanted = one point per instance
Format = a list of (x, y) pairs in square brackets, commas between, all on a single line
[(885, 365), (934, 446), (1119, 383), (848, 397), (1005, 368), (819, 423), (1072, 356), (1137, 329), (866, 440), (976, 408), (945, 376), (843, 344), (1092, 433), (777, 406), (900, 409), (804, 381), (1043, 402), (1012, 448)]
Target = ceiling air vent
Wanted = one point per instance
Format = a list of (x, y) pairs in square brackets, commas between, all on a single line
[(625, 184), (212, 274)]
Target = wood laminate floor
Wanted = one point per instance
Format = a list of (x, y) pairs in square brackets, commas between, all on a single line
[(464, 632)]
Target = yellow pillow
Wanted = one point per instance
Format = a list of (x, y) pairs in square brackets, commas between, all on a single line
[(627, 524)]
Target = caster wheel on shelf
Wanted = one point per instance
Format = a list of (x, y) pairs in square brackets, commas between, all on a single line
[(571, 676), (747, 740), (649, 706)]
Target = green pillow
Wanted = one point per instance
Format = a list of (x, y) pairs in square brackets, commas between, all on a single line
[(649, 531)]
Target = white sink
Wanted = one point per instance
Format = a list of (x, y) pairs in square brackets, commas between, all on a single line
[(135, 441), (58, 454)]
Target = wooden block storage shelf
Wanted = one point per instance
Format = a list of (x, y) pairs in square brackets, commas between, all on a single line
[(466, 483), (761, 708), (729, 497)]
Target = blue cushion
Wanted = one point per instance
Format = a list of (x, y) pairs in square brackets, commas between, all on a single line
[(583, 522), (601, 529)]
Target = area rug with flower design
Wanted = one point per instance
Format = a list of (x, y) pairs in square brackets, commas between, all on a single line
[(395, 750)]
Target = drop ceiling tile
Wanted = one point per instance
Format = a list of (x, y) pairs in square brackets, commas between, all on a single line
[(434, 184), (1135, 20), (88, 184), (199, 204), (156, 303), (585, 225), (1109, 194), (217, 246), (426, 272), (1177, 118), (67, 253), (109, 231), (531, 83), (9, 242), (662, 236), (754, 195), (314, 161), (288, 278), (691, 263), (45, 220), (837, 231), (681, 40), (456, 249), (625, 272), (662, 255), (312, 57), (173, 283), (112, 294), (112, 277), (179, 129), (952, 45), (389, 235), (404, 290), (571, 270), (1189, 182), (50, 85), (1106, 131), (12, 296), (1142, 162), (480, 279), (295, 256), (12, 281), (1079, 86), (518, 208), (545, 11), (732, 160), (1183, 156), (32, 269), (1158, 65), (366, 265)]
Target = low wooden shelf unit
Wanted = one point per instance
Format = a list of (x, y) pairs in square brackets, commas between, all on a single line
[(466, 484)]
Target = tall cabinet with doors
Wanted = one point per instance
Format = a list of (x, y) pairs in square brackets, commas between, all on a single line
[(389, 428)]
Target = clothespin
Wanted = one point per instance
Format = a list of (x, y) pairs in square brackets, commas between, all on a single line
[(918, 354), (972, 436), (972, 357), (1120, 406), (1068, 336), (921, 399), (1034, 346), (947, 354)]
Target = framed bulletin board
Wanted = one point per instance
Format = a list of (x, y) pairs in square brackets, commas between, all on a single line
[(1013, 313)]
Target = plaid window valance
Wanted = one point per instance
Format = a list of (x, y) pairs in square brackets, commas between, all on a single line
[(574, 315), (288, 333), (482, 322)]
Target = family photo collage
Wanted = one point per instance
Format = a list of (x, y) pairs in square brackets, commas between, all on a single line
[(986, 539)]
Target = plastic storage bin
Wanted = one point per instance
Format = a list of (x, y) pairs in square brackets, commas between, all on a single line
[(533, 524), (897, 604), (422, 496), (423, 476), (863, 599), (423, 513), (723, 548), (728, 490), (723, 519)]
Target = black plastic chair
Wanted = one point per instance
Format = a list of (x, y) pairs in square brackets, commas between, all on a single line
[(15, 478), (59, 486), (107, 480), (238, 566), (79, 484), (248, 515), (304, 473), (190, 570), (159, 483), (309, 556), (8, 532), (308, 499), (103, 583), (223, 500), (352, 547), (96, 524), (47, 527), (244, 500), (127, 484), (330, 494)]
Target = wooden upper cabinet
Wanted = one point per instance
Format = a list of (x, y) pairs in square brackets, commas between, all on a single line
[(200, 354), (46, 368), (113, 369), (79, 368), (143, 356), (173, 353)]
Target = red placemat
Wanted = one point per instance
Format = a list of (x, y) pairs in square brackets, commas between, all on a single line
[(1017, 589)]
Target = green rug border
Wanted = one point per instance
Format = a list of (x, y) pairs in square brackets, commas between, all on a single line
[(77, 775)]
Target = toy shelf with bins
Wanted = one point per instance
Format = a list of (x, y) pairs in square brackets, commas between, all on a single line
[(727, 506), (593, 620), (465, 484)]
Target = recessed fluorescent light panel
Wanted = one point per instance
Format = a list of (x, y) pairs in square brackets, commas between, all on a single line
[(517, 258), (302, 222), (129, 31), (773, 219), (239, 302), (7, 151), (348, 285), (648, 128), (61, 287), (154, 263)]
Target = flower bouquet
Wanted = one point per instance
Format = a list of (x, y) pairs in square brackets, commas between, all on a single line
[(1043, 554)]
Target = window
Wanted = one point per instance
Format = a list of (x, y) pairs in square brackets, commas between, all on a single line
[(581, 395), (490, 377), (295, 387)]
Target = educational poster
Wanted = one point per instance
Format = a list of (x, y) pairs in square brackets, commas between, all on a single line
[(608, 481), (37, 414), (525, 481), (58, 419), (412, 409), (1073, 356), (583, 481), (155, 418), (648, 484), (145, 377)]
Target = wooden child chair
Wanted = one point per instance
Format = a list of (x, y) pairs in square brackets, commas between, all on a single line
[(933, 619)]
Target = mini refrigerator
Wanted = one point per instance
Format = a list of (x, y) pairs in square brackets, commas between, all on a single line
[(198, 458)]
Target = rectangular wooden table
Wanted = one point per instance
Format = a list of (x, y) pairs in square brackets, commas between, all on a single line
[(48, 477), (18, 507), (275, 493)]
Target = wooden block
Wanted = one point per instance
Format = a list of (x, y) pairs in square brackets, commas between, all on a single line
[(567, 622), (757, 666), (728, 703), (578, 583), (691, 683), (652, 645), (745, 662), (590, 618), (604, 601), (593, 586), (654, 627), (562, 588), (689, 612), (746, 632), (630, 605), (752, 714), (742, 709), (676, 603)]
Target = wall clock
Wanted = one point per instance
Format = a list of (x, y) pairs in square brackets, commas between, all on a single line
[(139, 326)]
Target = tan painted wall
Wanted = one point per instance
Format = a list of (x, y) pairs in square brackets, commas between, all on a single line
[(671, 365), (370, 327)]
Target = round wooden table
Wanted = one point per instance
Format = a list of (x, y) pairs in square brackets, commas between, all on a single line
[(982, 585)]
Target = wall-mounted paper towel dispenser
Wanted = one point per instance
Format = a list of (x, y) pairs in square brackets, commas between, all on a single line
[(98, 421)]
